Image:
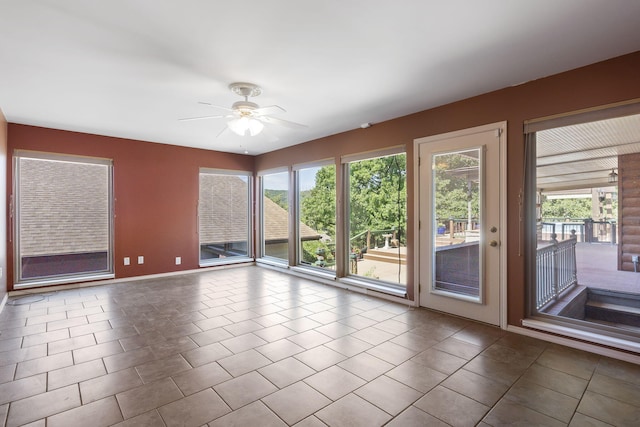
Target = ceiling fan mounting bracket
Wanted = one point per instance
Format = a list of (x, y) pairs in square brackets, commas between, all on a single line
[(245, 89)]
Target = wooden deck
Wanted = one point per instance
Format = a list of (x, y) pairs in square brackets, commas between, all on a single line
[(597, 268)]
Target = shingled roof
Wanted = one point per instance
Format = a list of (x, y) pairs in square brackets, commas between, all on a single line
[(64, 207), (221, 224), (276, 224)]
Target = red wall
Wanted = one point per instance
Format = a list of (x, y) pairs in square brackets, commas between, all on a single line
[(155, 191), (603, 83)]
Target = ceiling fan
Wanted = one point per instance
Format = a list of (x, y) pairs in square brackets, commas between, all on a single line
[(246, 117)]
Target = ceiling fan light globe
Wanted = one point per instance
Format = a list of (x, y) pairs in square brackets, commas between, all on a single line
[(238, 126), (241, 125), (255, 127)]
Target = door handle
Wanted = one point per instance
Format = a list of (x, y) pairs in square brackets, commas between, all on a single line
[(493, 243)]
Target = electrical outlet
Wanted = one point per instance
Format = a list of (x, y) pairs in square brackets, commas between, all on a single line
[(140, 259), (634, 258), (178, 260), (127, 260)]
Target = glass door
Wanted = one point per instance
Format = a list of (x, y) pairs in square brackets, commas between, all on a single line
[(460, 224)]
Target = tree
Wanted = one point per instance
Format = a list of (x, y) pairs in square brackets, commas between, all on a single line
[(456, 182), (566, 208), (378, 194), (318, 205), (279, 197)]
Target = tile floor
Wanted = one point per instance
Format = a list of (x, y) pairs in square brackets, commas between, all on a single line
[(254, 347)]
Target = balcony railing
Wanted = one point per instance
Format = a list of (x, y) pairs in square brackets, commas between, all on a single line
[(587, 230), (457, 230), (556, 269)]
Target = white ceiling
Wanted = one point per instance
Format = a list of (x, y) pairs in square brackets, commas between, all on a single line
[(132, 68), (583, 155)]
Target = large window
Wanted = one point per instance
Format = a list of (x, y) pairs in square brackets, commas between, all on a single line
[(316, 196), (377, 217), (275, 216), (582, 215), (224, 216), (63, 218)]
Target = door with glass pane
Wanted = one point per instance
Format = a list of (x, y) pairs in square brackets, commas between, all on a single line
[(460, 224)]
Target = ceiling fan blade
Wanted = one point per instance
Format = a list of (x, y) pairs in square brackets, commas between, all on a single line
[(208, 104), (201, 118), (280, 122), (224, 129), (269, 109)]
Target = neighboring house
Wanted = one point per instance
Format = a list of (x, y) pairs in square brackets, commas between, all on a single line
[(276, 229), (80, 219), (224, 221)]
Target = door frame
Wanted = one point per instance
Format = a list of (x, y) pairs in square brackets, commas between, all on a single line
[(502, 128)]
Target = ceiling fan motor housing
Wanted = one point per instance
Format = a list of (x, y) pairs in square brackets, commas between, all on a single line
[(245, 107)]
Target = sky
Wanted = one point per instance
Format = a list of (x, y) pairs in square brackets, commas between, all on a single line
[(280, 180)]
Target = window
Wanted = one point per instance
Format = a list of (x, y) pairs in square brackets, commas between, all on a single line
[(63, 222), (224, 216), (275, 216), (316, 197), (456, 189), (377, 217), (581, 228)]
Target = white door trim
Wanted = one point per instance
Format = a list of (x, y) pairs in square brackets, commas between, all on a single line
[(502, 126)]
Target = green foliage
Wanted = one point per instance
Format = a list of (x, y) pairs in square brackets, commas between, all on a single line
[(566, 208), (280, 197), (378, 194), (371, 273), (318, 205), (456, 184), (310, 248)]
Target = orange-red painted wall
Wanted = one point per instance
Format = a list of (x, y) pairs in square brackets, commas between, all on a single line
[(603, 83), (155, 191)]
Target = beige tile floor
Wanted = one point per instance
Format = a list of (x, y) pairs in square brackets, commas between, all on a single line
[(254, 347)]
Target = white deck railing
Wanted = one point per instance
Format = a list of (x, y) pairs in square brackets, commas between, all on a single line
[(555, 269)]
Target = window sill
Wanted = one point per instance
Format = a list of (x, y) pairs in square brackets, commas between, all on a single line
[(272, 262), (378, 287), (63, 280), (323, 274), (227, 261), (591, 336)]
